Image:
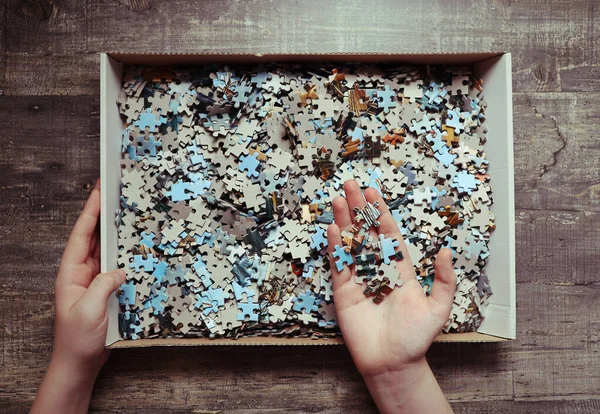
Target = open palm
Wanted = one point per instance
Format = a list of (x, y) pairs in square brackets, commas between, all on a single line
[(397, 332)]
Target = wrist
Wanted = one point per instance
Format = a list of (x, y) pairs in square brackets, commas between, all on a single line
[(403, 378), (78, 374), (66, 387), (411, 389)]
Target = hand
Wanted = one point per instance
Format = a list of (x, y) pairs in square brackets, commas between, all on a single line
[(81, 295), (388, 341)]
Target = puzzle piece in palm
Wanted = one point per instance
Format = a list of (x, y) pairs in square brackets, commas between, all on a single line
[(387, 247), (343, 257)]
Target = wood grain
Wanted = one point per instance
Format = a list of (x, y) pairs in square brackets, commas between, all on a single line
[(547, 38), (533, 368), (49, 85)]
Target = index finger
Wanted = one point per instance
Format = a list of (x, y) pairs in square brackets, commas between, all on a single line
[(78, 246)]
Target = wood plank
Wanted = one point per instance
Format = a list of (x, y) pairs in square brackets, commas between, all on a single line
[(554, 358), (557, 246), (556, 152), (49, 157), (480, 407), (548, 38), (531, 407)]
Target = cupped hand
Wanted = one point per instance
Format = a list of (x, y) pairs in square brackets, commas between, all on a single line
[(395, 334), (81, 294)]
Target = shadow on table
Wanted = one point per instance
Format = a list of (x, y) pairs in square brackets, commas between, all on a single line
[(288, 358)]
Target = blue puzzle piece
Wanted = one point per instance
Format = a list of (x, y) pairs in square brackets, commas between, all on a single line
[(444, 156), (239, 291), (199, 187), (156, 300), (371, 93), (436, 142), (328, 324), (319, 239), (435, 93), (177, 192), (204, 275), (374, 174), (387, 247), (453, 121), (343, 258), (249, 163), (249, 310), (308, 270), (160, 271), (129, 325), (357, 133), (479, 161), (125, 139), (305, 302), (377, 186), (149, 120), (132, 153), (210, 300), (140, 263), (255, 97), (385, 99), (199, 263), (147, 146), (196, 156), (465, 182), (127, 296), (147, 239)]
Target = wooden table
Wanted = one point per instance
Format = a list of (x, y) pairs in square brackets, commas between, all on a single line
[(49, 145)]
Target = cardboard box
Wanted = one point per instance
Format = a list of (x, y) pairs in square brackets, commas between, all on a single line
[(495, 70)]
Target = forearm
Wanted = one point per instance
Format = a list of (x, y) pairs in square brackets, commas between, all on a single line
[(411, 391), (65, 389)]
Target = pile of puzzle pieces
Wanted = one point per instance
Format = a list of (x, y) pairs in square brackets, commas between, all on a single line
[(374, 259), (228, 175)]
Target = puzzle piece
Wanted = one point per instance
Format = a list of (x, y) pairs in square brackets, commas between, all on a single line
[(305, 302), (387, 247), (149, 120), (248, 310), (249, 164), (386, 99), (147, 263), (343, 257)]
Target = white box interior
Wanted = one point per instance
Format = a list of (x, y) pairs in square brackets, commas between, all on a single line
[(493, 68)]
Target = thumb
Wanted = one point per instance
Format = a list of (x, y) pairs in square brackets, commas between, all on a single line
[(444, 284), (103, 285)]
